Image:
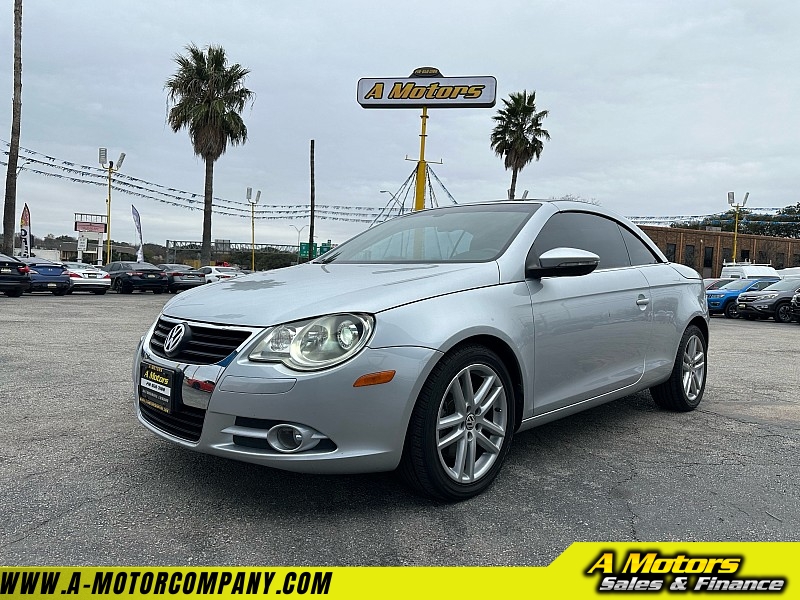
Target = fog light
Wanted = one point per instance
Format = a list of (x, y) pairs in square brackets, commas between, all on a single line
[(289, 438), (292, 438)]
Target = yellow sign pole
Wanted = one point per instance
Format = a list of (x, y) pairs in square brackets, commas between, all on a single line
[(419, 200)]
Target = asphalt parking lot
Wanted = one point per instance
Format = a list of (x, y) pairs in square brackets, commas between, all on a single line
[(84, 484)]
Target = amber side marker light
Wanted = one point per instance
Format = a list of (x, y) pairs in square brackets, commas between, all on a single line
[(374, 378)]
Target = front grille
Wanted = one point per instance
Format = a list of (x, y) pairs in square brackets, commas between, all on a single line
[(185, 423), (207, 345)]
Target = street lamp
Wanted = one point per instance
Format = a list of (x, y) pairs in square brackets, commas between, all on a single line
[(103, 158), (253, 225), (22, 166), (299, 231), (736, 208)]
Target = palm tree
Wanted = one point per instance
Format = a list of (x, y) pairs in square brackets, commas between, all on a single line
[(10, 204), (208, 96), (518, 136)]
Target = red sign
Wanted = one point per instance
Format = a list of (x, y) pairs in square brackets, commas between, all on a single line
[(90, 226)]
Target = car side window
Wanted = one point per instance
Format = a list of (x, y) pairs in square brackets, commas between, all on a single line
[(585, 231), (638, 251)]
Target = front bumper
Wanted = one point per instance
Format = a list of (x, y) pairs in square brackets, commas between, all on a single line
[(758, 308), (362, 428)]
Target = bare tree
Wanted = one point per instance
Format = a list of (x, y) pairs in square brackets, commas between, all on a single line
[(10, 205)]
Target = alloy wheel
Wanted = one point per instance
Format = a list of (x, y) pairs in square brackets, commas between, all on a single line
[(472, 423), (694, 368)]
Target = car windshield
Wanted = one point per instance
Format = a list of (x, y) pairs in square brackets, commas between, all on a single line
[(462, 234), (784, 285), (738, 284)]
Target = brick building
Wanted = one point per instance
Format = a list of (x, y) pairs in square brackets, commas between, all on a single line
[(705, 250)]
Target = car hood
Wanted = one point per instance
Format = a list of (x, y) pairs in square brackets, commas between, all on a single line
[(311, 289)]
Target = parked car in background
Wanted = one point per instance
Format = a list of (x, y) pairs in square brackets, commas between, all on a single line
[(716, 282), (217, 273), (773, 301), (47, 276), (87, 278), (182, 277), (725, 299), (795, 308), (425, 343), (14, 276), (746, 270), (127, 277), (789, 272)]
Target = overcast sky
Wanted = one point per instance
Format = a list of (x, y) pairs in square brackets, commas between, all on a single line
[(656, 108)]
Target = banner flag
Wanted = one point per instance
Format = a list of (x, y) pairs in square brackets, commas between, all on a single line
[(138, 223), (25, 232)]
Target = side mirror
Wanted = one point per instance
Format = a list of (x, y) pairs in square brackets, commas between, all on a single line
[(562, 262)]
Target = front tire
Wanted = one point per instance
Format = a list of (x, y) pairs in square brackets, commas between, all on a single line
[(684, 389), (461, 427), (732, 310), (783, 313)]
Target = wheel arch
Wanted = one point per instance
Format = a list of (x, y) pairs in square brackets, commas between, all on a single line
[(509, 359), (701, 324)]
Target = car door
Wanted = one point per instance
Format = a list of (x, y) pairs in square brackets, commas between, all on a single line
[(591, 332)]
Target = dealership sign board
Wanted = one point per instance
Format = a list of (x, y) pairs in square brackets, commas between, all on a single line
[(431, 92)]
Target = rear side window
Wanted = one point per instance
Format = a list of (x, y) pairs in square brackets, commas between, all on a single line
[(585, 231)]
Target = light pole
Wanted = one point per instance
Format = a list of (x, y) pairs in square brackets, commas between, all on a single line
[(253, 225), (736, 208), (299, 231), (22, 166), (103, 158)]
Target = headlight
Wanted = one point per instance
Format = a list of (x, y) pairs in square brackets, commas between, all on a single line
[(768, 296), (716, 295), (314, 343)]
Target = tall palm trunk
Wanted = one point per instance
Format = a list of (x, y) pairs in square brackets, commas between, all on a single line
[(10, 206), (205, 252), (512, 192)]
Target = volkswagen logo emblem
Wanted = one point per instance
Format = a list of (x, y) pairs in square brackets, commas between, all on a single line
[(470, 422), (175, 338)]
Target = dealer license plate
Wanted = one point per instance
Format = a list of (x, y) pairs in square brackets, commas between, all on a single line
[(156, 387), (4, 270)]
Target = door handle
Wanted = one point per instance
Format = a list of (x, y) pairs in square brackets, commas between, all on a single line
[(642, 301)]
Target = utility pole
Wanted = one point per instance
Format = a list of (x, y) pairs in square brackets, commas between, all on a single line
[(311, 227)]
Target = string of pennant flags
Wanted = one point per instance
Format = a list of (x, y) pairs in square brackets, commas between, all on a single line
[(49, 166)]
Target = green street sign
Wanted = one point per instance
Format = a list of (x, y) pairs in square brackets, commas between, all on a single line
[(304, 250)]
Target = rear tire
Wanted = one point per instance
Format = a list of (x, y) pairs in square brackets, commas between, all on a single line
[(99, 292), (684, 389), (731, 310), (461, 427), (13, 293)]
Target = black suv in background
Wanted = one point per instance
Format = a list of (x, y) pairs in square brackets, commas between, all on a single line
[(14, 276), (773, 301), (129, 276), (795, 307)]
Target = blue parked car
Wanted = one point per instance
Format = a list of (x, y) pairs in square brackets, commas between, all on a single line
[(723, 299), (47, 276)]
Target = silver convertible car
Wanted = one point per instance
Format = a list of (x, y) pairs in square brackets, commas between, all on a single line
[(425, 343)]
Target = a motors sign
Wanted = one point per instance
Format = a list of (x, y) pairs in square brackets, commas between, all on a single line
[(431, 92)]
